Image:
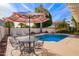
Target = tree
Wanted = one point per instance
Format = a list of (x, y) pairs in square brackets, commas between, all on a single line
[(9, 25), (22, 25), (41, 9), (74, 23), (61, 25)]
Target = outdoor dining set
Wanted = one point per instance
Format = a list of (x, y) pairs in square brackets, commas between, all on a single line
[(26, 44), (27, 47)]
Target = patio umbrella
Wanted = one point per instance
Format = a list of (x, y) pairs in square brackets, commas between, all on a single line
[(33, 17), (28, 18)]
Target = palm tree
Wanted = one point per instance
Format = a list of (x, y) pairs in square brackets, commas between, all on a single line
[(9, 25), (72, 25), (74, 22)]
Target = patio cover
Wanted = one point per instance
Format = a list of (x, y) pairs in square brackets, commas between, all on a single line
[(33, 17), (28, 18)]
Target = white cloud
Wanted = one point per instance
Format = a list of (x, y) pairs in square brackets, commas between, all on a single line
[(5, 10), (4, 4)]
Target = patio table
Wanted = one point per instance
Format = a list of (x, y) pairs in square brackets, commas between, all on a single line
[(28, 45)]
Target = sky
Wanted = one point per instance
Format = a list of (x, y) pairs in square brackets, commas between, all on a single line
[(59, 11)]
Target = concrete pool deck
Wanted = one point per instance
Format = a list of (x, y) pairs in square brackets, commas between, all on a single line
[(66, 47)]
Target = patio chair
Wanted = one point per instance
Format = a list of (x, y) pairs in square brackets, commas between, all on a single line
[(39, 47), (39, 50), (15, 44), (39, 44)]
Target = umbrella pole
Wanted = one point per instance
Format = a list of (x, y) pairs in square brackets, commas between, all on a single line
[(29, 27), (29, 37)]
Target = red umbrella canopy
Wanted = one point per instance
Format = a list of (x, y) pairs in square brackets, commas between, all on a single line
[(33, 17)]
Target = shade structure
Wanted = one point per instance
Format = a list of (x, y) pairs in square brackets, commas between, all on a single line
[(28, 18), (34, 18)]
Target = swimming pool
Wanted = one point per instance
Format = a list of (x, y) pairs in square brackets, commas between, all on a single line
[(52, 37)]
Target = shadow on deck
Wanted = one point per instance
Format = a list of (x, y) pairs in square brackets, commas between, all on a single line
[(3, 45)]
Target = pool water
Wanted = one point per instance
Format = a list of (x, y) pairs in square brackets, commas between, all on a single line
[(52, 37)]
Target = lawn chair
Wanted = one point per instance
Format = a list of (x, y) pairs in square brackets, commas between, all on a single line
[(39, 48), (15, 44)]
